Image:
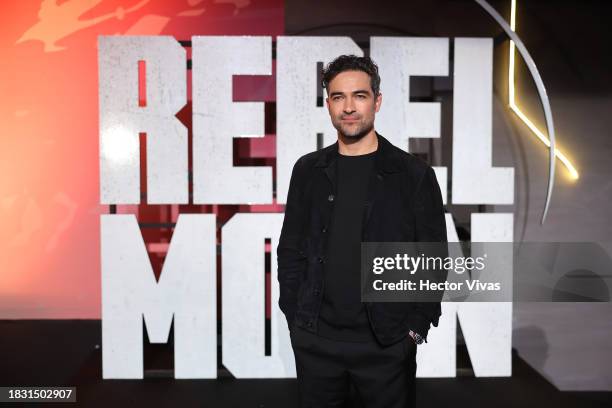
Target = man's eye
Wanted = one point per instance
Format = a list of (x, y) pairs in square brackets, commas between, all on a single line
[(361, 96)]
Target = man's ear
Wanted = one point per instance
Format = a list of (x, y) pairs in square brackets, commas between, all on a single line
[(378, 101)]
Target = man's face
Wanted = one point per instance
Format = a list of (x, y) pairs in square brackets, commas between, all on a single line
[(351, 103)]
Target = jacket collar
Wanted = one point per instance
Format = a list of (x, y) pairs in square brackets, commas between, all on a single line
[(385, 160)]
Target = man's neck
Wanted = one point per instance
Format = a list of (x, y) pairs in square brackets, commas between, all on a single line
[(365, 145)]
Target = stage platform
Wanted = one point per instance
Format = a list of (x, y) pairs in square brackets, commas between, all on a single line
[(67, 353)]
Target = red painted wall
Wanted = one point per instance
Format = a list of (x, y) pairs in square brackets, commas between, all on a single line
[(49, 175)]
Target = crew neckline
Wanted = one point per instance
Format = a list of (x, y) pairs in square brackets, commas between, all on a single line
[(358, 155)]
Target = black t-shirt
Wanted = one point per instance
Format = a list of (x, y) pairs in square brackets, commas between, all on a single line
[(342, 315)]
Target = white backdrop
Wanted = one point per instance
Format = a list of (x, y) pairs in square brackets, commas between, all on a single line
[(186, 290)]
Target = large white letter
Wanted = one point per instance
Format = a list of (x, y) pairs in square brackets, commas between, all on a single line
[(399, 59), (475, 180), (121, 120), (186, 291), (243, 299), (217, 120), (486, 326), (299, 119), (399, 119)]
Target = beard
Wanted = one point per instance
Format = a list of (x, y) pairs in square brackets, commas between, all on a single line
[(355, 130)]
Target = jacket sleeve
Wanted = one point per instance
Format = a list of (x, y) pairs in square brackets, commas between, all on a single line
[(291, 258), (430, 227)]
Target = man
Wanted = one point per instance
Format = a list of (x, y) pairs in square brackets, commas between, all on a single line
[(361, 188)]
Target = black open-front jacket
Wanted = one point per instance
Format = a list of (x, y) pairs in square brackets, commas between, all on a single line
[(403, 204)]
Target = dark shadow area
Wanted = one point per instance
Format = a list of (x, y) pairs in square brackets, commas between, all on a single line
[(67, 352)]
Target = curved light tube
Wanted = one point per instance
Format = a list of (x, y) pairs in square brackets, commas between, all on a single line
[(541, 91)]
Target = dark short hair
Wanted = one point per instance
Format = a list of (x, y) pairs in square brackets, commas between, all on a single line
[(351, 63)]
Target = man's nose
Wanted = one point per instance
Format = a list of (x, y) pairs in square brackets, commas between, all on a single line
[(349, 106)]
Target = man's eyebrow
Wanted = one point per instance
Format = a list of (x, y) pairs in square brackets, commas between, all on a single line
[(359, 91)]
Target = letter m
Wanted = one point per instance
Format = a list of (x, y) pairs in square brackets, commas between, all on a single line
[(186, 292)]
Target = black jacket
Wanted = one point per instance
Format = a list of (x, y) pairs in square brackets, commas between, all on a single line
[(403, 204)]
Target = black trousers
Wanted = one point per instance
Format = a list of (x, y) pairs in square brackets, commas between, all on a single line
[(384, 377)]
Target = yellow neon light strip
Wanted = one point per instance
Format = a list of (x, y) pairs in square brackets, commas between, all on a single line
[(511, 102)]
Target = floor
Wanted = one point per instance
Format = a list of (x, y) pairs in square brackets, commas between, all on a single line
[(67, 352)]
